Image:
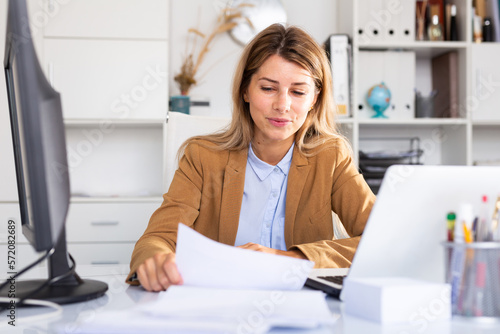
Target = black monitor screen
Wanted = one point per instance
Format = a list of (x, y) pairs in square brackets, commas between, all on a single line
[(38, 136), (18, 135)]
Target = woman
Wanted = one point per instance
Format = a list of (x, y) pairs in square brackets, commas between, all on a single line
[(269, 182)]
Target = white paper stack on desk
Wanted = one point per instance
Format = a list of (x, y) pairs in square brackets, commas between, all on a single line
[(226, 290)]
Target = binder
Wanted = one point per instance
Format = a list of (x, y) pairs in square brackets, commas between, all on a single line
[(445, 81), (407, 21), (338, 48), (370, 29), (382, 21)]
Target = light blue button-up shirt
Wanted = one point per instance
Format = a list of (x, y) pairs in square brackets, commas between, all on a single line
[(262, 215)]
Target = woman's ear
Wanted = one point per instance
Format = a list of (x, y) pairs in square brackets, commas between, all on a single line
[(245, 97), (314, 101)]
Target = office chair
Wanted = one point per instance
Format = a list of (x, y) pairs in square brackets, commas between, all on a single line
[(179, 128)]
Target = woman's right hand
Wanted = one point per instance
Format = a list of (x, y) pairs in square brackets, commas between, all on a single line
[(159, 272)]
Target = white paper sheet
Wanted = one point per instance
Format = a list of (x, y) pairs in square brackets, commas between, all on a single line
[(206, 263), (183, 309), (252, 311)]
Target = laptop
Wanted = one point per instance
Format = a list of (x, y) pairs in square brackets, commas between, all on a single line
[(407, 224)]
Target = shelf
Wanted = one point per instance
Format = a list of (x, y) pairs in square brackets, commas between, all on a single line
[(416, 121), (425, 49), (415, 45), (112, 122), (492, 123), (135, 199)]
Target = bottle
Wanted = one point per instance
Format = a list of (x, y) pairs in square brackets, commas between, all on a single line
[(435, 30), (478, 31), (453, 23), (487, 30), (483, 233)]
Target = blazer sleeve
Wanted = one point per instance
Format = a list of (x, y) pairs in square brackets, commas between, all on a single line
[(352, 200), (180, 204)]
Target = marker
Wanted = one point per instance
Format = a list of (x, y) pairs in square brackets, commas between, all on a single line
[(450, 225), (467, 233)]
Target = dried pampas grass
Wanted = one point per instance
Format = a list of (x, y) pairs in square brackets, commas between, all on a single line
[(227, 20)]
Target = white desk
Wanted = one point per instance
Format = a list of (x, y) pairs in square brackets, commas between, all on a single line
[(121, 296)]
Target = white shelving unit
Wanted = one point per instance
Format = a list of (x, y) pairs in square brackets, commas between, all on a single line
[(109, 61), (474, 136)]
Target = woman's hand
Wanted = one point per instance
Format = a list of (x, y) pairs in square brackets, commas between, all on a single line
[(259, 248), (159, 272)]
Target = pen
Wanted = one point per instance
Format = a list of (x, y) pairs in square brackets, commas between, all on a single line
[(480, 282), (474, 229), (494, 232), (458, 262)]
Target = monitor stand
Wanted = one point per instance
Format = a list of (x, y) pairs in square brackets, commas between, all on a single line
[(71, 289)]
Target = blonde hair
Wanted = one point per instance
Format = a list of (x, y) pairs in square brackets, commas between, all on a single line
[(295, 45)]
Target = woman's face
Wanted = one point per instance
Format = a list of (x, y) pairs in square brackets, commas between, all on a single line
[(280, 95)]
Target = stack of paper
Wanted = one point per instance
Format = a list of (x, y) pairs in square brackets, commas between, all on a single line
[(183, 309), (226, 290)]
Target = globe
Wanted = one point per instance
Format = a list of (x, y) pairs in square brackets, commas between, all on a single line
[(379, 99)]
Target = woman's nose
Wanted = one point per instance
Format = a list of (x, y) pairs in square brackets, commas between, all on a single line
[(282, 102)]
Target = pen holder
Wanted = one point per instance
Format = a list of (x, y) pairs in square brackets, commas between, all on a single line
[(473, 271)]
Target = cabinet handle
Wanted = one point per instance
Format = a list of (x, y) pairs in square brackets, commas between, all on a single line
[(104, 223), (104, 262)]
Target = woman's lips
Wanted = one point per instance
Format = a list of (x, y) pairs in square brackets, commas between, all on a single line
[(279, 122)]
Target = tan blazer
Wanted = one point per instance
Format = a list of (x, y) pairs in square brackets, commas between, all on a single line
[(207, 190)]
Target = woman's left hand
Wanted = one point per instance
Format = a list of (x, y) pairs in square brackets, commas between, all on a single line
[(259, 248)]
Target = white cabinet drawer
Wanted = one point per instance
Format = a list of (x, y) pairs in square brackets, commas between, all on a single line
[(108, 222), (109, 79), (107, 18), (101, 254)]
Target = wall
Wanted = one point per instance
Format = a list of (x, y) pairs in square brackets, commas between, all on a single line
[(319, 20), (315, 16)]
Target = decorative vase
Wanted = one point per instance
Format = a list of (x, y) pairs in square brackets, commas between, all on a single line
[(180, 103)]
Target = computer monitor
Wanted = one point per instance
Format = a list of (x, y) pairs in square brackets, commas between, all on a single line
[(41, 163)]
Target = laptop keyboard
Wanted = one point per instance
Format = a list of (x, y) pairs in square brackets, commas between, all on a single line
[(334, 279)]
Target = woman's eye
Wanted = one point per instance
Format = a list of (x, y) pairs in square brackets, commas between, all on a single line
[(299, 93), (266, 89)]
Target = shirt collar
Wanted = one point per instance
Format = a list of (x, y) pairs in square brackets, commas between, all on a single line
[(263, 169)]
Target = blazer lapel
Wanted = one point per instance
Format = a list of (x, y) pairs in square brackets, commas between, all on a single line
[(296, 181), (232, 196)]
